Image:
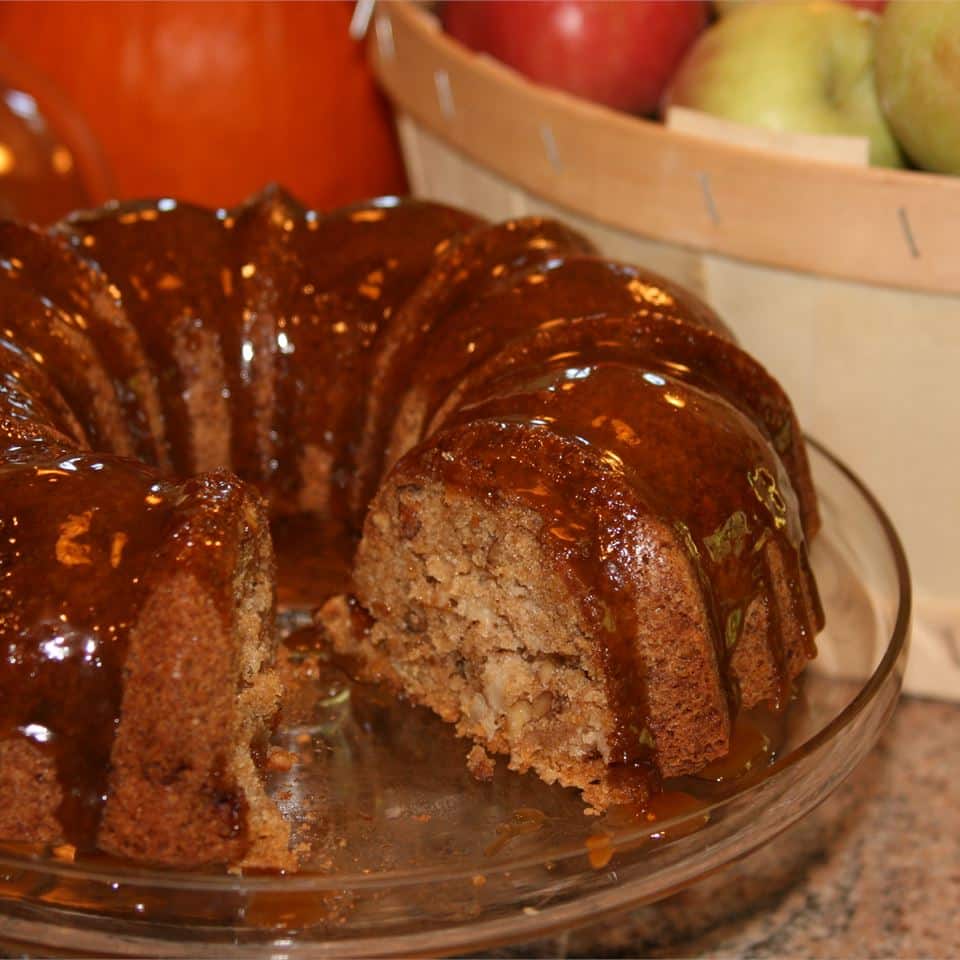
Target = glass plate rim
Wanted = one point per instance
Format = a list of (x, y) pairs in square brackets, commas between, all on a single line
[(315, 881)]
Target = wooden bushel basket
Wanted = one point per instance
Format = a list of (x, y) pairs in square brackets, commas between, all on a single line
[(844, 280)]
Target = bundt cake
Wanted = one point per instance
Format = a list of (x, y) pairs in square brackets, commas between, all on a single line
[(581, 509)]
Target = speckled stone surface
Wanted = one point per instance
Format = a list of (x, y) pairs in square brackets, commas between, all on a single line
[(873, 872)]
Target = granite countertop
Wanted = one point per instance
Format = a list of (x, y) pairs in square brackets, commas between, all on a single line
[(873, 872)]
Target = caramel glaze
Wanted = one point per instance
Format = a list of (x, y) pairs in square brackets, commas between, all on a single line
[(597, 449), (661, 343), (199, 286), (261, 268), (357, 267), (64, 641), (463, 266), (562, 285), (47, 270), (59, 345), (164, 259), (27, 396), (464, 270), (238, 310), (565, 286)]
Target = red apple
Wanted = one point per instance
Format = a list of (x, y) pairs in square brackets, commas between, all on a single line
[(876, 6), (619, 54)]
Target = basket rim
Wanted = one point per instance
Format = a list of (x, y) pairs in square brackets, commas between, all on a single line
[(871, 225)]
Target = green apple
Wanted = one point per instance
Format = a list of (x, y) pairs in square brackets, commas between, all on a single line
[(723, 7), (795, 67), (918, 80)]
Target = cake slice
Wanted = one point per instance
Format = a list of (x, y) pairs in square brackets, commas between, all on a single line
[(137, 683), (587, 571), (200, 693)]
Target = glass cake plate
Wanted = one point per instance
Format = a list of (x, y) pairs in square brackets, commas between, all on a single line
[(410, 855)]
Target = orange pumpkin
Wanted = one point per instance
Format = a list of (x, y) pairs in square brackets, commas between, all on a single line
[(210, 101)]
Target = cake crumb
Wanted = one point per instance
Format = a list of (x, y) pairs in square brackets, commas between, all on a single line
[(65, 851), (281, 761), (480, 764), (600, 850), (479, 880)]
